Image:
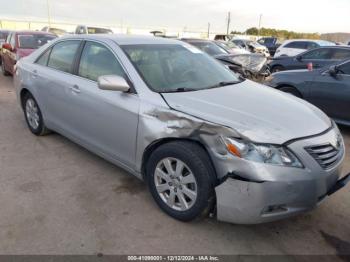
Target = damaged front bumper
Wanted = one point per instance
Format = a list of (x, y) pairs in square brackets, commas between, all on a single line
[(243, 202), (254, 193)]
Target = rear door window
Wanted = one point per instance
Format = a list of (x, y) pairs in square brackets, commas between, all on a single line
[(33, 41), (63, 54), (97, 60)]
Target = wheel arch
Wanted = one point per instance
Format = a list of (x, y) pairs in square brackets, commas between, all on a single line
[(22, 94), (156, 144), (289, 85)]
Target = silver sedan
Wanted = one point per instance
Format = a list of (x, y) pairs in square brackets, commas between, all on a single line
[(204, 139)]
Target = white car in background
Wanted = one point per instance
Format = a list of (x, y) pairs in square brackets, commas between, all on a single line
[(297, 46)]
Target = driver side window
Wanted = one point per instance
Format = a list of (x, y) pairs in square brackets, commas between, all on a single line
[(97, 60)]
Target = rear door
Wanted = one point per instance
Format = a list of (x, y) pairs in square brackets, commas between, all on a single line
[(53, 78), (332, 94)]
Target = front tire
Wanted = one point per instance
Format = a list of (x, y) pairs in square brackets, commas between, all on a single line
[(181, 179), (33, 116)]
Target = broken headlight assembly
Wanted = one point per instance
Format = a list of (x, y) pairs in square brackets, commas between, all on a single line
[(262, 153)]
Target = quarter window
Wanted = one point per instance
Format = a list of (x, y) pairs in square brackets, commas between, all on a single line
[(43, 59), (97, 60), (62, 55)]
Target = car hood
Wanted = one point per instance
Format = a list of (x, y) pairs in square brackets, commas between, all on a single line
[(257, 112)]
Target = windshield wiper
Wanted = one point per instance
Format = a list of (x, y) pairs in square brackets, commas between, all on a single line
[(224, 83), (180, 89)]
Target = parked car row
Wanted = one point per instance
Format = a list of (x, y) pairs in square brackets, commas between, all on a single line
[(203, 138), (20, 44), (248, 65)]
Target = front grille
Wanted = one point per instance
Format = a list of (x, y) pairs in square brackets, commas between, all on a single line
[(326, 155)]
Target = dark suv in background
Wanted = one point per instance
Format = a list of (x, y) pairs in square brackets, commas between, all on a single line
[(319, 57), (271, 43)]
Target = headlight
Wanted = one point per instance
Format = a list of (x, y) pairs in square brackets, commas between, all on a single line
[(262, 153)]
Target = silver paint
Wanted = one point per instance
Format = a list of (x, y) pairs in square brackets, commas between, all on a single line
[(121, 127)]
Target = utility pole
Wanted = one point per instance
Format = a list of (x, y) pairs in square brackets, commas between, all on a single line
[(208, 30), (48, 12), (228, 22), (260, 17)]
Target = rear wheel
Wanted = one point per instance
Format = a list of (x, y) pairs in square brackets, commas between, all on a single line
[(181, 180), (33, 116), (291, 90)]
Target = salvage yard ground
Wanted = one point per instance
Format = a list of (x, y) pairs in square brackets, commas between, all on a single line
[(58, 198)]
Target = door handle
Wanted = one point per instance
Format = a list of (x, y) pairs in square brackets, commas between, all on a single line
[(75, 89)]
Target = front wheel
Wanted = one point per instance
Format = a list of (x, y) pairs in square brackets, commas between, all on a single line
[(181, 180), (33, 116)]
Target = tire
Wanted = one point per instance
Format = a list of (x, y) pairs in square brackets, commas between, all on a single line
[(196, 162), (33, 116), (277, 68), (291, 90), (4, 72)]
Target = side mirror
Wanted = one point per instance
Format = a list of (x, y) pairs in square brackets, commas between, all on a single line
[(333, 70), (7, 46), (299, 58), (113, 83)]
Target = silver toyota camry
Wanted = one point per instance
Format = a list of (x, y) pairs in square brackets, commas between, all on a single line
[(202, 138)]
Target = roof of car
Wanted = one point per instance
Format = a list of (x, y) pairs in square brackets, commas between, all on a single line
[(121, 39)]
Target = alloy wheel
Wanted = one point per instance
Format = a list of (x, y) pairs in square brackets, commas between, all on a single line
[(32, 113), (175, 183)]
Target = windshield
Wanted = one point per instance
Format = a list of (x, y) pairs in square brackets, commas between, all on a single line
[(33, 41), (97, 30), (177, 68), (210, 48)]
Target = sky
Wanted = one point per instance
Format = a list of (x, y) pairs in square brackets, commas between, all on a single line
[(298, 15)]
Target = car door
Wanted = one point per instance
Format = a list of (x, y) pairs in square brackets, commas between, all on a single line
[(53, 82), (332, 93), (103, 120)]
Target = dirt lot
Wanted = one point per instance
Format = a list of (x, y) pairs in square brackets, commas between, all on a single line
[(58, 198)]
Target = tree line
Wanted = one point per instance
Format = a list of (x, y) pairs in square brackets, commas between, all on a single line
[(282, 34)]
